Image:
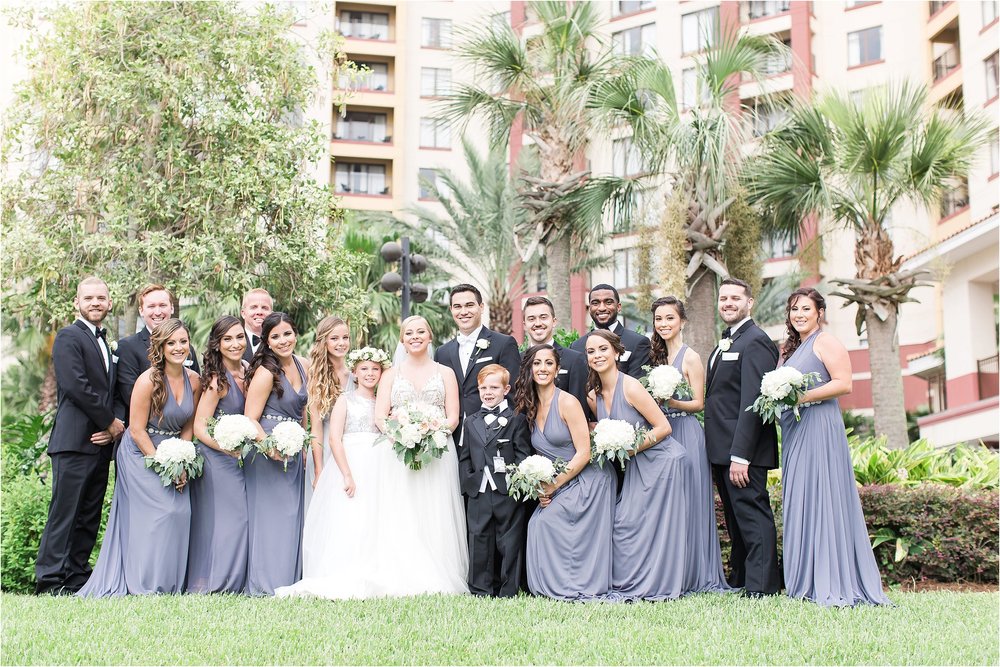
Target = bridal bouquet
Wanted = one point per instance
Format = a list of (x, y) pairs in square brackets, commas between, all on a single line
[(174, 457), (287, 438), (527, 477), (614, 440), (233, 433), (781, 389), (664, 381), (418, 433)]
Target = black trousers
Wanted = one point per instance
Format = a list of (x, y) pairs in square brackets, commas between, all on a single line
[(79, 482), (496, 544), (753, 562)]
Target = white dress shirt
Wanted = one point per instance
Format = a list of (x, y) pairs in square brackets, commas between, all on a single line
[(466, 346), (250, 335), (101, 343)]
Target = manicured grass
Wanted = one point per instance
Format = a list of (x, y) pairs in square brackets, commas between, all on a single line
[(924, 628)]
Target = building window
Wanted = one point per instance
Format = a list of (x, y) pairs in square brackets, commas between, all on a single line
[(699, 30), (990, 11), (436, 33), (991, 76), (364, 25), (362, 126), (758, 10), (864, 46), (766, 117), (945, 63), (625, 158), (851, 4), (427, 184), (778, 248), (955, 200), (360, 179), (434, 133), (630, 6), (690, 86), (626, 265), (375, 78), (435, 81), (638, 41), (937, 5), (779, 63), (995, 154)]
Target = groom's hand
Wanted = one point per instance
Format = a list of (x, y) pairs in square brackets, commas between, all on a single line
[(739, 474)]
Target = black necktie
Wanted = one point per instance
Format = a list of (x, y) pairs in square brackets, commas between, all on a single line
[(254, 340), (102, 333), (495, 410)]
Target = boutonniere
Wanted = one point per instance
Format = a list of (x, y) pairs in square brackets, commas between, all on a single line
[(725, 344), (502, 421), (113, 345), (188, 363), (482, 343)]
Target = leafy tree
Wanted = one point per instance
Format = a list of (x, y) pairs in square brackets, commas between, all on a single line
[(853, 162), (164, 141)]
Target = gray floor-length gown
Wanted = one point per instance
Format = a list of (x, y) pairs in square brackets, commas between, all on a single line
[(827, 556), (145, 547), (704, 573), (568, 553), (217, 557), (275, 500), (649, 540)]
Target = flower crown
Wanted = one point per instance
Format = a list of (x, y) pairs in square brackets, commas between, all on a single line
[(355, 357)]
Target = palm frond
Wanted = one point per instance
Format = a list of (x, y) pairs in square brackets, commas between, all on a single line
[(469, 101)]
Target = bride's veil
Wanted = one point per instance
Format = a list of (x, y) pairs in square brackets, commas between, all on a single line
[(400, 354)]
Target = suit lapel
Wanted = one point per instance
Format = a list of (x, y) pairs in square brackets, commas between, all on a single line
[(479, 425), (484, 334), (715, 367), (97, 348)]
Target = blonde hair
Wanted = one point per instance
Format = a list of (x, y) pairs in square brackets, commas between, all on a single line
[(256, 290), (323, 386), (410, 320)]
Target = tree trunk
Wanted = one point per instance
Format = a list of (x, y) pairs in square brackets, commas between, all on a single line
[(887, 378), (130, 318), (501, 314), (47, 394), (700, 331), (557, 258)]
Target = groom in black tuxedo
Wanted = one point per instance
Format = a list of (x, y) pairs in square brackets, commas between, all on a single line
[(741, 448), (474, 347), (605, 305), (80, 445)]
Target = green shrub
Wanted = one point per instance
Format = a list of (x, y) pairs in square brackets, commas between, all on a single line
[(967, 466), (25, 438)]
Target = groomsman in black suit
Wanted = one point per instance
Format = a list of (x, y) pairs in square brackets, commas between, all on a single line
[(257, 304), (494, 437), (155, 305), (540, 324), (474, 347), (740, 446), (80, 444), (605, 305)]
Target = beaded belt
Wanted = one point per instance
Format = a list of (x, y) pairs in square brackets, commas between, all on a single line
[(279, 418), (800, 406), (675, 415), (156, 431)]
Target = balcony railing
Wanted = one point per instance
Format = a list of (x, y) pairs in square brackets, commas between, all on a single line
[(989, 376), (758, 9), (954, 201), (945, 63), (937, 5)]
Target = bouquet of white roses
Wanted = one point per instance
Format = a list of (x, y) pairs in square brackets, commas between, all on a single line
[(781, 389), (614, 440), (174, 457), (233, 433), (418, 433), (527, 477), (664, 381), (287, 438)]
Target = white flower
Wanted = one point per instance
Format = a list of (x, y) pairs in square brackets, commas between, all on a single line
[(440, 439), (537, 468), (174, 450), (482, 343), (232, 431), (410, 435), (725, 344), (613, 434), (663, 381), (779, 383), (289, 438), (368, 354), (113, 346), (502, 421)]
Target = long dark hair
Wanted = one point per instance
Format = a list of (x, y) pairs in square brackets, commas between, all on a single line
[(212, 366), (265, 356), (659, 355), (593, 378), (525, 391), (794, 340), (158, 361)]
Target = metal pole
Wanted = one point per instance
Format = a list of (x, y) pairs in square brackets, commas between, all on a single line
[(405, 265)]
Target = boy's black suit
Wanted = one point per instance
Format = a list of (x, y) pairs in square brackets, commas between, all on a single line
[(495, 520)]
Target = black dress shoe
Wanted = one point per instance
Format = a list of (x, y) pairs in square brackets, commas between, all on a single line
[(756, 595)]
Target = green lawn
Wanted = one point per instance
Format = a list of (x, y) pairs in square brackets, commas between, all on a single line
[(924, 628)]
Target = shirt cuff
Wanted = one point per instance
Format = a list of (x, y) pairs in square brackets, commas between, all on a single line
[(736, 459)]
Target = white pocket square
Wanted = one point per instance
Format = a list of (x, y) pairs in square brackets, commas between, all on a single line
[(114, 358), (625, 355), (563, 371), (484, 359), (730, 356), (503, 439)]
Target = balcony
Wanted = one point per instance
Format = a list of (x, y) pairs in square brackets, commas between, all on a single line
[(938, 5), (362, 178), (363, 127), (954, 201), (988, 370), (946, 63), (364, 25), (764, 8)]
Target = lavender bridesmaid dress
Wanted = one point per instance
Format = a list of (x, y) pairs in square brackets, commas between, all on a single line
[(827, 556), (704, 573), (275, 501), (217, 556), (650, 537), (569, 542), (145, 547)]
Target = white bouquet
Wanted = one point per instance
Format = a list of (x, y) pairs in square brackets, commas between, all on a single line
[(664, 381), (287, 438), (780, 390), (233, 433), (173, 458), (527, 477), (418, 433), (614, 440)]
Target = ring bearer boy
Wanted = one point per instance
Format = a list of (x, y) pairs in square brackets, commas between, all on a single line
[(493, 438)]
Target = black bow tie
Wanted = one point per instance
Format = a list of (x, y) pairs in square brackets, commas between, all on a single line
[(254, 340), (726, 333), (102, 333), (495, 410)]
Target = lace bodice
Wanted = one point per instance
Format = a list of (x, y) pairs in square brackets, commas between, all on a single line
[(360, 414), (403, 391)]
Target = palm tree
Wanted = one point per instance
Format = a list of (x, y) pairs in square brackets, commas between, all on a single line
[(543, 80), (706, 225), (477, 229), (852, 162)]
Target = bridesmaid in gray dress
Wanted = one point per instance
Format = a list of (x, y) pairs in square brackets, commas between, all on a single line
[(568, 553), (145, 546), (649, 540), (217, 557), (704, 573), (275, 501), (827, 556)]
